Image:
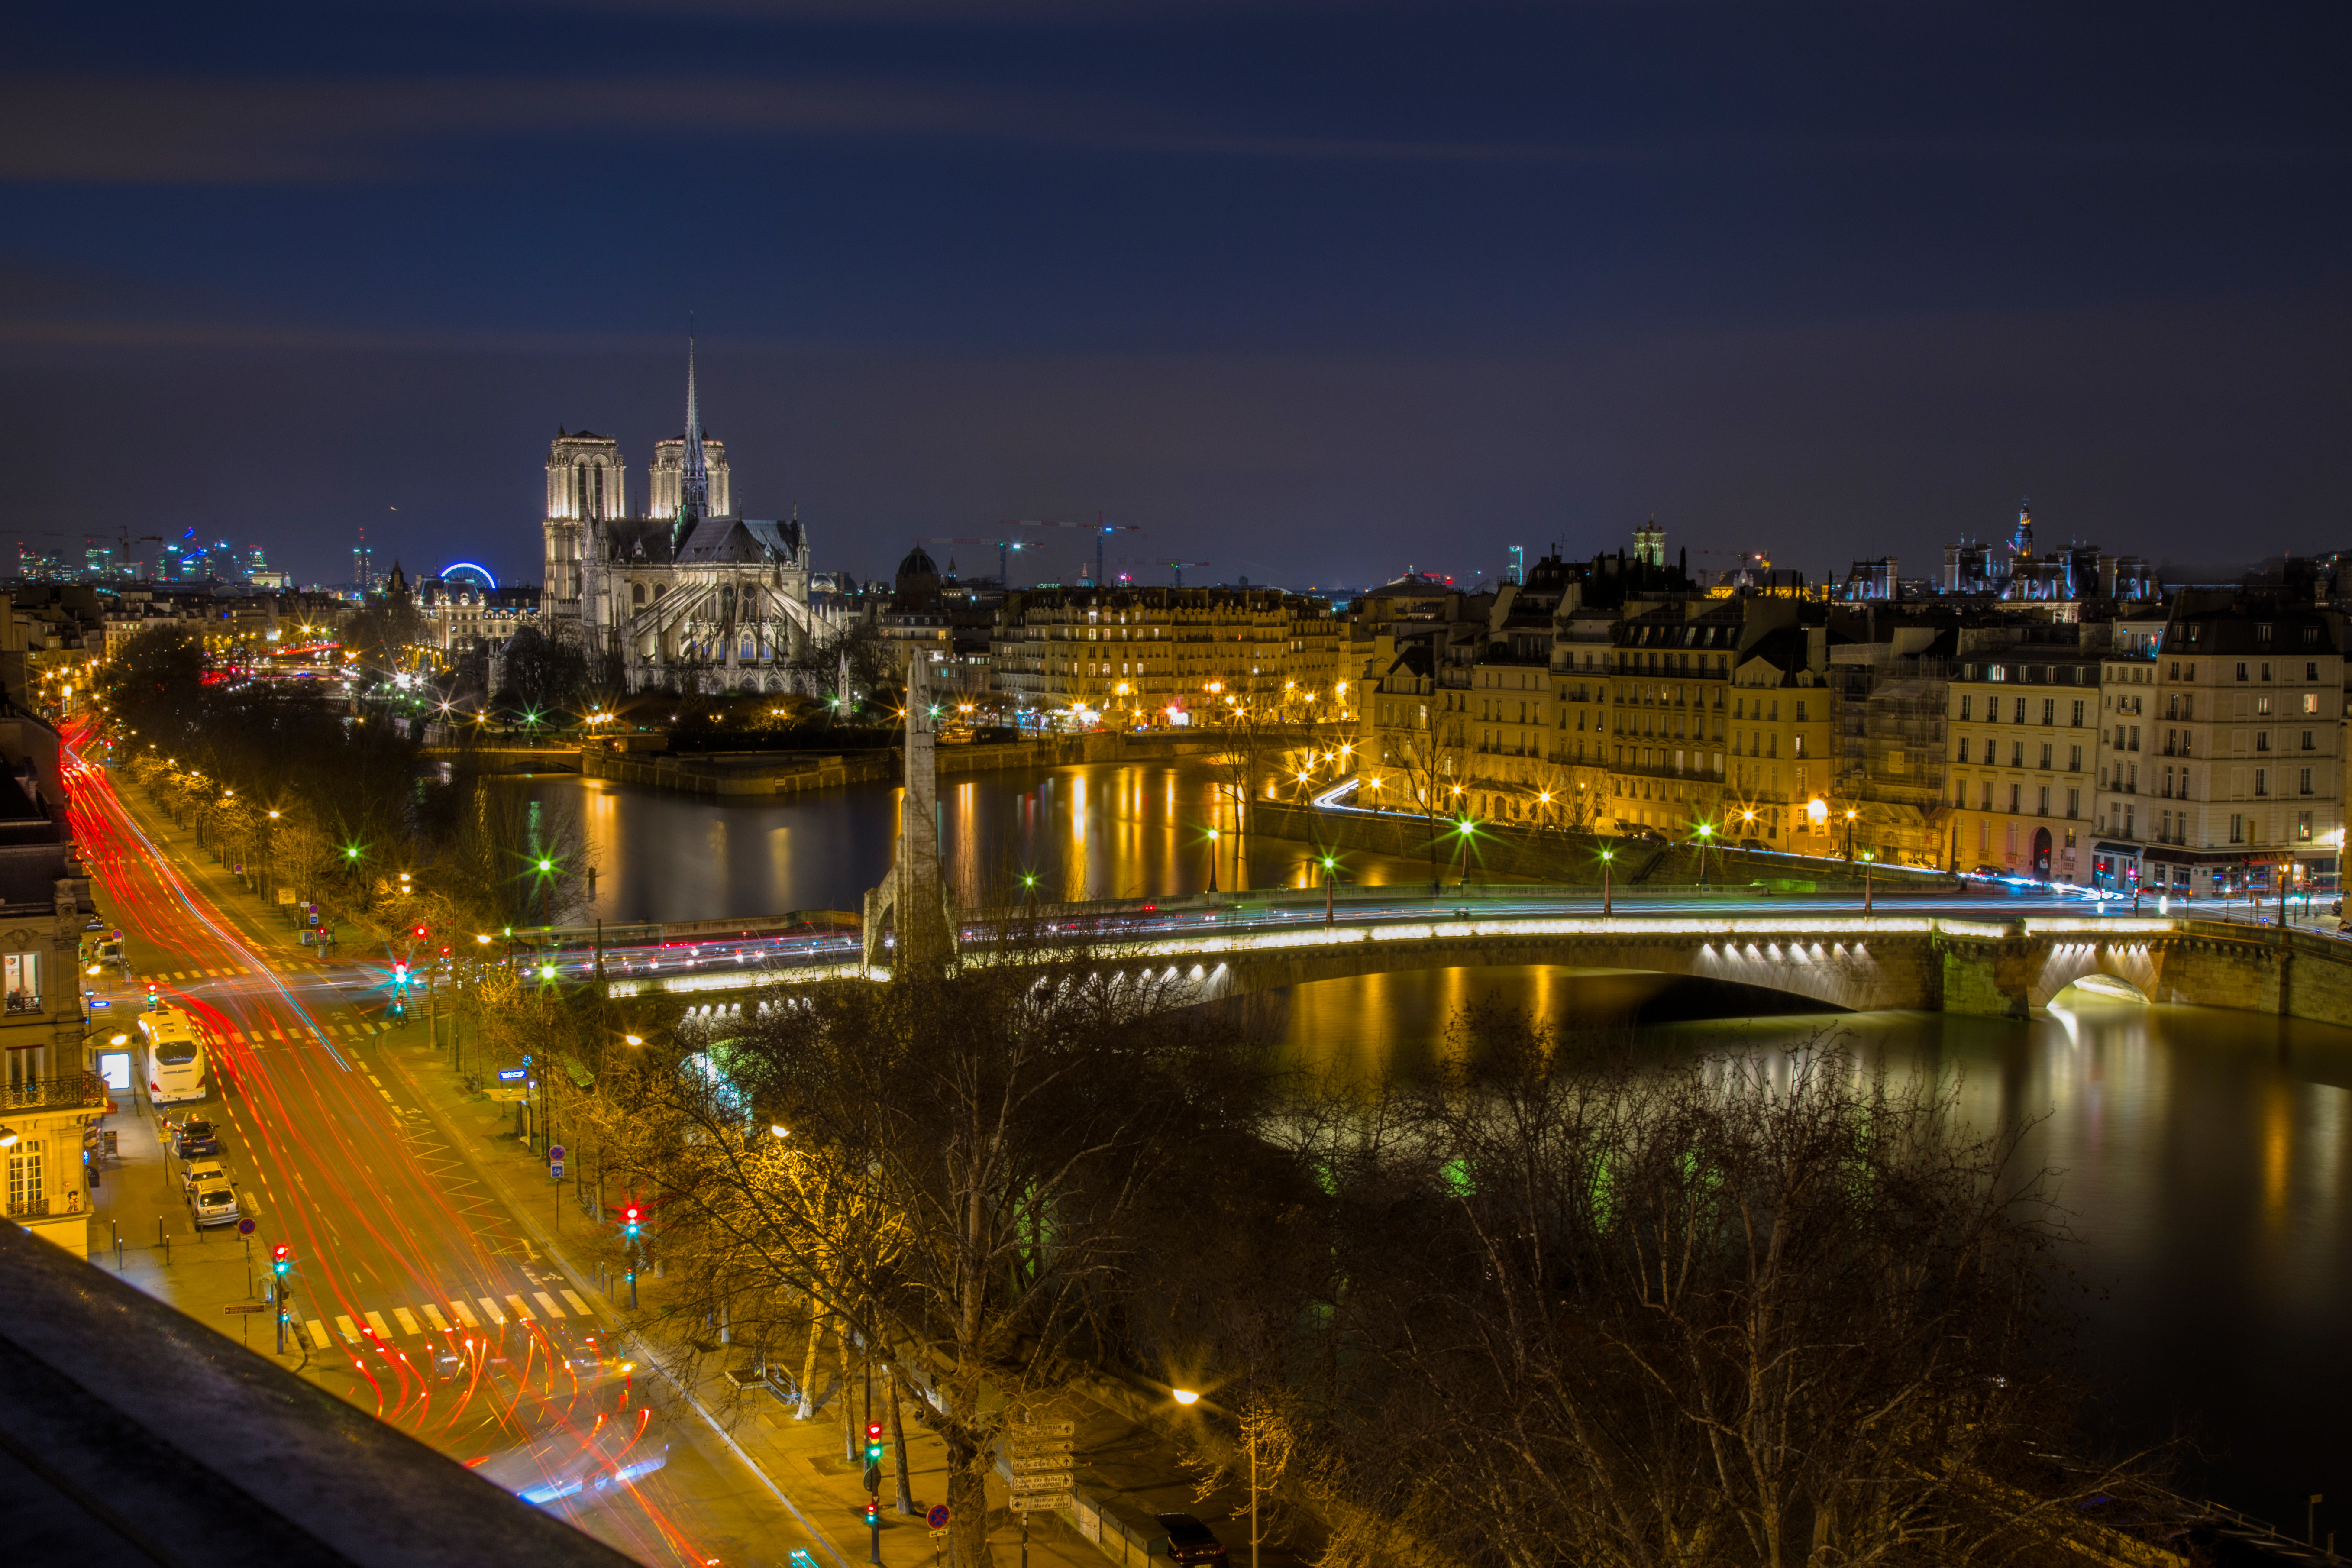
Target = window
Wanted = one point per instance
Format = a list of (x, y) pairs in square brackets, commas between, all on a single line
[(2237, 829), (2078, 713), (2073, 759), (2050, 711), (1964, 702), (27, 1194), (2242, 669), (1988, 795), (2017, 753), (2074, 802), (2015, 793), (1796, 747), (2042, 801), (22, 972), (2262, 706), (2303, 825), (2261, 739), (2134, 738), (2018, 713), (2307, 740), (2303, 783), (2311, 668), (2261, 782), (2311, 702), (1776, 711), (1801, 710), (2261, 634)]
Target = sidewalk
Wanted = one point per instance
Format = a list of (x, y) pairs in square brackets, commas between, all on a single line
[(258, 921), (1131, 1469)]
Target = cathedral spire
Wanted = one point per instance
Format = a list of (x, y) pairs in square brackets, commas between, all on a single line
[(694, 482)]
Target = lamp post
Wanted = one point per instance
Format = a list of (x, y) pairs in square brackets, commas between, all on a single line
[(1706, 832), (1330, 875), (1606, 857), (1190, 1397), (1213, 859)]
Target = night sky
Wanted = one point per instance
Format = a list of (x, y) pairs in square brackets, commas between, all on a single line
[(1313, 292)]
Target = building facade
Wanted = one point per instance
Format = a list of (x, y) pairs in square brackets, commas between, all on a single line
[(2248, 698), (1148, 656)]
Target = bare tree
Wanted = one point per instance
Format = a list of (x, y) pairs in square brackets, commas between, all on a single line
[(942, 1165), (1756, 1311)]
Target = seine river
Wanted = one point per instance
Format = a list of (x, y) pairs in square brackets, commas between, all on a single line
[(2202, 1154)]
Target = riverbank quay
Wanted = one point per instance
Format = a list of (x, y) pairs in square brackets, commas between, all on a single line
[(764, 774), (1127, 1459), (1491, 851)]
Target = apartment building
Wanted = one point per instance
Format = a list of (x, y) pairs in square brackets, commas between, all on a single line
[(1168, 656), (50, 1097), (1779, 784), (2024, 748), (2127, 778), (1672, 665), (2248, 700)]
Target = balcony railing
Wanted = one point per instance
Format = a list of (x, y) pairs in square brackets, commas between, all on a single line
[(23, 1002), (63, 1092), (27, 1208)]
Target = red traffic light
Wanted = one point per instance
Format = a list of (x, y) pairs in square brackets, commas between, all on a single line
[(874, 1431), (420, 932), (630, 1214), (281, 1251)]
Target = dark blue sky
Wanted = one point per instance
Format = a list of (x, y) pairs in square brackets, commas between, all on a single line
[(1313, 291)]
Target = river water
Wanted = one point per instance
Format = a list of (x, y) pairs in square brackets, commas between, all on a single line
[(2202, 1153)]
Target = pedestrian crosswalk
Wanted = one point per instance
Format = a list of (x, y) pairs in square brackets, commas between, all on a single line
[(455, 1315)]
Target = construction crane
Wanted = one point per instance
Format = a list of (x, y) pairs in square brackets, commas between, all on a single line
[(1099, 527), (1000, 545)]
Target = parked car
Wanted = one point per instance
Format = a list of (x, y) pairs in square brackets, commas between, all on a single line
[(199, 1171), (1187, 1541), (1755, 844), (213, 1203), (194, 1136)]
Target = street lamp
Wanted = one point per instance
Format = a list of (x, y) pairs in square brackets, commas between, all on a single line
[(1606, 857), (1213, 837)]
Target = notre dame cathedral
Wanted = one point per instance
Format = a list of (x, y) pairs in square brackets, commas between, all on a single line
[(689, 596)]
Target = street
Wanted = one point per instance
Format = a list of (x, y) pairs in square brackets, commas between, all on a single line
[(413, 1289)]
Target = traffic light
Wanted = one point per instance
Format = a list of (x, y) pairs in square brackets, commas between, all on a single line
[(153, 1001), (420, 934), (874, 1442), (873, 1513), (399, 972), (629, 1216), (282, 1259)]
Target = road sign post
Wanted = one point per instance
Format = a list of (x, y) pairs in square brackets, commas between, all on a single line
[(555, 1162)]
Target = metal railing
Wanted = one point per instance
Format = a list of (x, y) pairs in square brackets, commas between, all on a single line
[(27, 1208), (72, 1088)]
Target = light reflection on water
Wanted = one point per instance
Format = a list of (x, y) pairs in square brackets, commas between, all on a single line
[(1102, 830), (2199, 1153)]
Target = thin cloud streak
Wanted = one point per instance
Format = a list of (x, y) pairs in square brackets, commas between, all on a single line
[(169, 130)]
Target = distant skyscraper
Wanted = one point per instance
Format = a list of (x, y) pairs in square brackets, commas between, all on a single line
[(1516, 572), (363, 567)]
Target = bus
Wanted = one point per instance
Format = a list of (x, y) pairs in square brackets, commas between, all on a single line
[(175, 1058)]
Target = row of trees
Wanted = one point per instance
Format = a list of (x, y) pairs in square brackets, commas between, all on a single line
[(1543, 1307), (301, 786)]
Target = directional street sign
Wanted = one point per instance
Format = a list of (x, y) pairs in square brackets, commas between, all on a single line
[(1040, 1503), (1052, 1481), (1056, 1460), (1042, 1429), (255, 1307)]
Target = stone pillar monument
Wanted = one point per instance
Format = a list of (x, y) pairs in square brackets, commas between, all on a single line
[(914, 895)]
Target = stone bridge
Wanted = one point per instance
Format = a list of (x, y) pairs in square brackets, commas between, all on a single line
[(1857, 963)]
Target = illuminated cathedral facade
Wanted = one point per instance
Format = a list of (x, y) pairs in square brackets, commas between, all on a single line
[(688, 597)]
